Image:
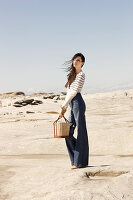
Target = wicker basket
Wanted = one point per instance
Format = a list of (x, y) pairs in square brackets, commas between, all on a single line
[(61, 129)]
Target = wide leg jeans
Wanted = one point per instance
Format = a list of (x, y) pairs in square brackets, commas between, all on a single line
[(78, 148)]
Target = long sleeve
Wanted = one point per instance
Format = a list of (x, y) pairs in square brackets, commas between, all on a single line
[(75, 87), (69, 96)]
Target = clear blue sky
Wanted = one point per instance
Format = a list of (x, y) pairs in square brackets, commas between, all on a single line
[(37, 37)]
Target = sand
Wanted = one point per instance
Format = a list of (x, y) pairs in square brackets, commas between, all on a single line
[(35, 166)]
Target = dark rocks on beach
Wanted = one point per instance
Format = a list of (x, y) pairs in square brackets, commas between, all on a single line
[(17, 105), (29, 112), (27, 102)]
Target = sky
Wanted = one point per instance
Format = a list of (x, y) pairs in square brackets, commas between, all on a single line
[(37, 37)]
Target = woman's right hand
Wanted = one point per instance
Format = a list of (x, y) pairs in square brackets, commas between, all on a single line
[(61, 115), (63, 110)]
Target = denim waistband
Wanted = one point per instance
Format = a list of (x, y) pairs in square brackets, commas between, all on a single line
[(77, 95)]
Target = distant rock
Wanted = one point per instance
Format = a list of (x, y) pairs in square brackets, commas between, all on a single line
[(27, 102), (57, 97), (49, 96), (64, 93), (126, 93), (7, 113), (14, 93), (62, 97), (39, 93), (20, 113), (19, 93), (10, 94)]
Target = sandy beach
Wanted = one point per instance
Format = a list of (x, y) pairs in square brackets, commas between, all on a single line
[(36, 166)]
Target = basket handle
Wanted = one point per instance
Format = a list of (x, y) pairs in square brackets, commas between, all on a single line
[(60, 118)]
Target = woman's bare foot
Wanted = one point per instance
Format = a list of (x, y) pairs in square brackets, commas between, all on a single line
[(75, 167)]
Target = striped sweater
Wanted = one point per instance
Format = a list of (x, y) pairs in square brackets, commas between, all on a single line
[(75, 87)]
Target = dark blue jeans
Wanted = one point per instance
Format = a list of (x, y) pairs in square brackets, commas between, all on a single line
[(78, 149)]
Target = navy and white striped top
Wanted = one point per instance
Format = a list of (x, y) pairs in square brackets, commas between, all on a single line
[(75, 87)]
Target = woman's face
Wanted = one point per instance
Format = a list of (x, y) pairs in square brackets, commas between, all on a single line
[(77, 62)]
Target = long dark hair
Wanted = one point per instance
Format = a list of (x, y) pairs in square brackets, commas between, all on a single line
[(72, 72)]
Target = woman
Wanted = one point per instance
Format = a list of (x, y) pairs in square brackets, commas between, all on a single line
[(78, 149)]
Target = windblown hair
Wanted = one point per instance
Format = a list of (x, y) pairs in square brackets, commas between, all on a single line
[(72, 72)]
